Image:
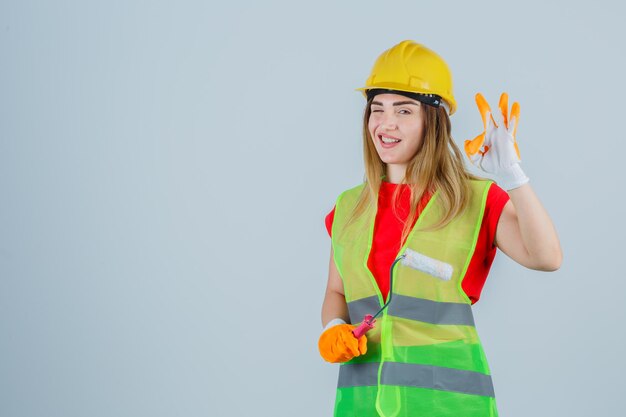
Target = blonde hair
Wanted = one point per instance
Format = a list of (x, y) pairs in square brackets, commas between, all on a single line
[(436, 166)]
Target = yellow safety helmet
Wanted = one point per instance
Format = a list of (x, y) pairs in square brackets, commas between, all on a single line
[(412, 68)]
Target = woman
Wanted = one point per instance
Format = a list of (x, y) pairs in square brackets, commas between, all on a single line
[(422, 355)]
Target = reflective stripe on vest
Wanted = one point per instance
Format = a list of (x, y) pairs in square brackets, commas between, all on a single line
[(413, 308), (415, 375)]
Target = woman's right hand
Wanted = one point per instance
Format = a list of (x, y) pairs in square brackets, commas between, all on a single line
[(338, 344)]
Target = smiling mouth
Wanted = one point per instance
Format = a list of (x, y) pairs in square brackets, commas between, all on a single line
[(388, 141)]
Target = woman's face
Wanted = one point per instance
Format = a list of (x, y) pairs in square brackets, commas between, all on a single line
[(394, 116)]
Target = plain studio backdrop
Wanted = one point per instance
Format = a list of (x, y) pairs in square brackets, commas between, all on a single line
[(165, 170)]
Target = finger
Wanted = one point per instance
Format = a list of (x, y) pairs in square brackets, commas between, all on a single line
[(363, 345), (515, 114), (511, 127), (491, 123), (472, 146), (483, 107), (351, 343), (330, 346), (488, 143), (504, 108), (476, 159), (342, 357), (331, 354)]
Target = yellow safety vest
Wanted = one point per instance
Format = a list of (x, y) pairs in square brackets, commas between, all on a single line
[(424, 357)]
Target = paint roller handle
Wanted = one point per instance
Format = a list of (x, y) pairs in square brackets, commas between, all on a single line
[(366, 324)]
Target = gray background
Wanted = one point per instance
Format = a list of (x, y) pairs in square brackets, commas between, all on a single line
[(165, 170)]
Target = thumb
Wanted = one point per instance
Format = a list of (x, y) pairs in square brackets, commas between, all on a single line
[(474, 145)]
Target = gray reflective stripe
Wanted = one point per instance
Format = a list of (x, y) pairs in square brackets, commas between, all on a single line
[(358, 374), (359, 308), (430, 311), (415, 375), (435, 377)]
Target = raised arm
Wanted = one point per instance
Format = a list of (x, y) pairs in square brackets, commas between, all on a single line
[(525, 232)]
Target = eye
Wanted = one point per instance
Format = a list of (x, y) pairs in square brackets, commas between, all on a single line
[(405, 110), (374, 111)]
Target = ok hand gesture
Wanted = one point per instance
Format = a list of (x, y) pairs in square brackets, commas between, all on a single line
[(495, 150)]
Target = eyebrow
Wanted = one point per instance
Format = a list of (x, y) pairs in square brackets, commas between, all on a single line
[(397, 103)]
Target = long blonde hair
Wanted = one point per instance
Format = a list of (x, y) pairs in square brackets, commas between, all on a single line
[(437, 166)]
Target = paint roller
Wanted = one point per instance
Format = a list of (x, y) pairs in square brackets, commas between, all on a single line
[(413, 260)]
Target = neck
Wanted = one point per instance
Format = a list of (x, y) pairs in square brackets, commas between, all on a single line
[(395, 173)]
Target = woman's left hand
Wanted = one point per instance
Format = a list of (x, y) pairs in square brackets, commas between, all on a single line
[(495, 150)]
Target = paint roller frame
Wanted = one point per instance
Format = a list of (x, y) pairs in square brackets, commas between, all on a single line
[(413, 260)]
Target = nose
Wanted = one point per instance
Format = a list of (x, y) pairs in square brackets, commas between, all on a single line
[(389, 121)]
